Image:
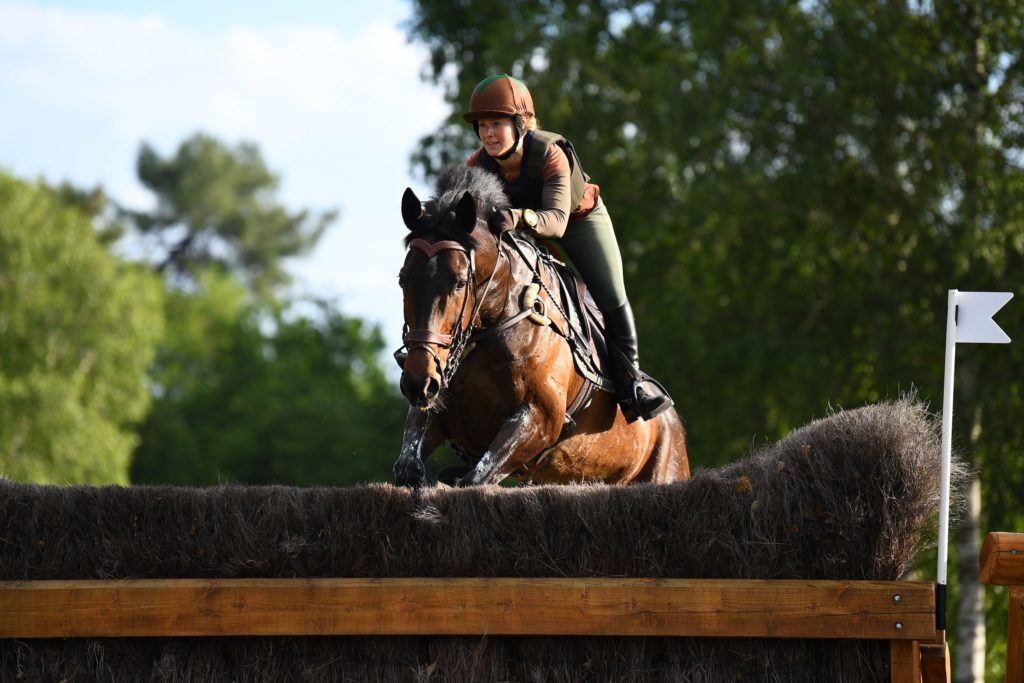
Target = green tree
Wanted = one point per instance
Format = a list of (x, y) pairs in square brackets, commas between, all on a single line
[(216, 207), (244, 395), (795, 187), (77, 330)]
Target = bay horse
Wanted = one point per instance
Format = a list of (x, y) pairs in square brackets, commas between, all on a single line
[(505, 410)]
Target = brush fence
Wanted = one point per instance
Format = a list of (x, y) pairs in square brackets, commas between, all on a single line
[(780, 566)]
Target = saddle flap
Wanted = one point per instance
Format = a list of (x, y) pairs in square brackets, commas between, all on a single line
[(596, 365)]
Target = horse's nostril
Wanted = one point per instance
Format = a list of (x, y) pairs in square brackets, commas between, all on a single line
[(419, 390), (404, 385)]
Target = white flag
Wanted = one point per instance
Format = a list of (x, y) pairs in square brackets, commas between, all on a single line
[(974, 323)]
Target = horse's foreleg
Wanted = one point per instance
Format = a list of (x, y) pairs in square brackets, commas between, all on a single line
[(519, 433), (422, 435)]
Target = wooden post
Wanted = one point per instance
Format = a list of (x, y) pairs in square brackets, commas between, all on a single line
[(905, 661), (1002, 564), (1015, 637), (935, 660)]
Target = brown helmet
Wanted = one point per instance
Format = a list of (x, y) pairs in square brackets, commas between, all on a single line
[(499, 95)]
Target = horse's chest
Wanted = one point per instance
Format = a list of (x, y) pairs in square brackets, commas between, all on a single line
[(479, 403)]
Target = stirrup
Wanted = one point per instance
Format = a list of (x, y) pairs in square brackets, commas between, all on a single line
[(650, 405)]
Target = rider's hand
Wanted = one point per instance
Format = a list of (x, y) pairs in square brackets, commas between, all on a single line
[(507, 220)]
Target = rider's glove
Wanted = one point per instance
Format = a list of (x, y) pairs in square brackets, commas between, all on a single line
[(506, 220)]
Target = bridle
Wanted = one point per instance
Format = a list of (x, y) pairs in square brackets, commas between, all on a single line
[(425, 338)]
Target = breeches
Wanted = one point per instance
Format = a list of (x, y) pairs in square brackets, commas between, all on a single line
[(591, 246)]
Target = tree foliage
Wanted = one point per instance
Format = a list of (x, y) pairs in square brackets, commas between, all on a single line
[(795, 186), (216, 206), (77, 332), (247, 395)]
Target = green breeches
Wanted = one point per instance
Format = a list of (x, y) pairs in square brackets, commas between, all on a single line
[(591, 246)]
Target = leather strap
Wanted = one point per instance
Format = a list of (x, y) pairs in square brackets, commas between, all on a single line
[(432, 249), (428, 337)]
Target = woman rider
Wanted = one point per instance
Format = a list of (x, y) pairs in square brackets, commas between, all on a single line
[(553, 199)]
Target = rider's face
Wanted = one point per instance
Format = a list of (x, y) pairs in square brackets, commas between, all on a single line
[(497, 135)]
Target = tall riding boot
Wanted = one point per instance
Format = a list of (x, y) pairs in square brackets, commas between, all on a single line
[(639, 394)]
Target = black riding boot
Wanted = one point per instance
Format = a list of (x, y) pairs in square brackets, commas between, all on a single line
[(639, 394)]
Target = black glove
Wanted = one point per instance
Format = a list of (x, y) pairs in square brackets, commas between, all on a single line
[(507, 220)]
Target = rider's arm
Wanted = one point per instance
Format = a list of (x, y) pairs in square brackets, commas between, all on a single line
[(553, 216)]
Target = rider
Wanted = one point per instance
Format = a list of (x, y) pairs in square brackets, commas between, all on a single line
[(553, 198)]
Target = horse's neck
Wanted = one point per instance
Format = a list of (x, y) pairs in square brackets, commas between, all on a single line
[(502, 298)]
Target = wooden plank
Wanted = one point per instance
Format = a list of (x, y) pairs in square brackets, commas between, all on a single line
[(467, 606), (1015, 637), (904, 661), (1002, 559)]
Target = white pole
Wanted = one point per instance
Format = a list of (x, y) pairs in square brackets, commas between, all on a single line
[(947, 448)]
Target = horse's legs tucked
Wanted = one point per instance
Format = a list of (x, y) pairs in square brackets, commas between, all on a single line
[(516, 435), (418, 442)]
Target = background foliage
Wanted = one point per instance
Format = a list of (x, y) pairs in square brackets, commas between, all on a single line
[(245, 395), (77, 332)]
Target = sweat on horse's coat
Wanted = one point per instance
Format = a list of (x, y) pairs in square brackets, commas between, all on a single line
[(846, 497)]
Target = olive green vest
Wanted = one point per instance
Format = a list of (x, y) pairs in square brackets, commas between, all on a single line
[(542, 140)]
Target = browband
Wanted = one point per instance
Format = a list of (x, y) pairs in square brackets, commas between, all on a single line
[(437, 247)]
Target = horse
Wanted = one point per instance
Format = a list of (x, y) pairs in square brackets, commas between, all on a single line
[(506, 410)]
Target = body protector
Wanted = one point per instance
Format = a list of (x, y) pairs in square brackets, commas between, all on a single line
[(527, 191)]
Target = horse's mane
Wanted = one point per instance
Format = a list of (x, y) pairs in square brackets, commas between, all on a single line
[(452, 183)]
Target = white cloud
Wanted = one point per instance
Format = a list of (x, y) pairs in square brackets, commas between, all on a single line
[(336, 114)]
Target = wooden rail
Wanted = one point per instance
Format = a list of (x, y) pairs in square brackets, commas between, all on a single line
[(1002, 564), (506, 606), (901, 612)]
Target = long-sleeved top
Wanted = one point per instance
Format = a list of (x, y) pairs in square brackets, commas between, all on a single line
[(553, 211)]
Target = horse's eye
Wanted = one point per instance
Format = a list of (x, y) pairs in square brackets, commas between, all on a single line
[(460, 285), (401, 280)]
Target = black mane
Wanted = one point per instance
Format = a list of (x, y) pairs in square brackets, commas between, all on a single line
[(452, 183)]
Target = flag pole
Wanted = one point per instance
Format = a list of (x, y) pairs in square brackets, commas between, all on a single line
[(947, 448)]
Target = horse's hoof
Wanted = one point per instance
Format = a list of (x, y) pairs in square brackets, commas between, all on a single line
[(412, 482), (411, 476)]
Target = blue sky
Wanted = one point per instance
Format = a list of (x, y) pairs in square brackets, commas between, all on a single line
[(330, 91), (216, 16)]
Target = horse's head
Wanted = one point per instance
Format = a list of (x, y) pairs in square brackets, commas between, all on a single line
[(448, 268)]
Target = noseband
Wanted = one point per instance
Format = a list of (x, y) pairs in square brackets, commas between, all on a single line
[(424, 338)]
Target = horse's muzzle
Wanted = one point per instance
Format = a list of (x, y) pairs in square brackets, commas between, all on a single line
[(420, 391)]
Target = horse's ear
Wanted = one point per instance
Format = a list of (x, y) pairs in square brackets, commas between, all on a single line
[(412, 210), (465, 212)]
